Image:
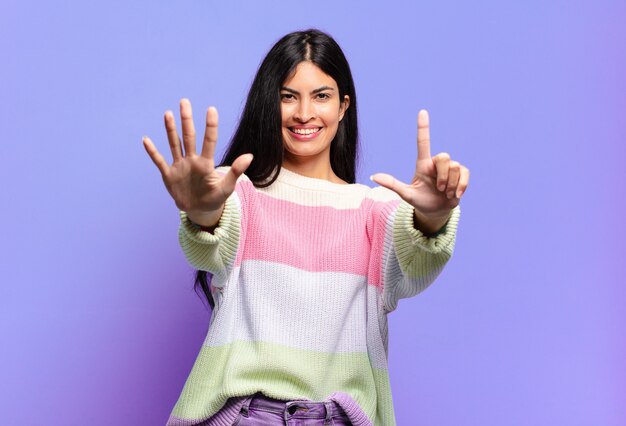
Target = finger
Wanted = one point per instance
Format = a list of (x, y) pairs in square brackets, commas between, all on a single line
[(463, 182), (156, 157), (423, 135), (389, 182), (172, 136), (239, 166), (442, 164), (454, 172), (189, 132), (210, 134)]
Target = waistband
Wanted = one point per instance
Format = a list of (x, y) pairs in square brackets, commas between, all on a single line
[(295, 408)]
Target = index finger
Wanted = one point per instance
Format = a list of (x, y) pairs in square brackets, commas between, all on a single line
[(423, 135)]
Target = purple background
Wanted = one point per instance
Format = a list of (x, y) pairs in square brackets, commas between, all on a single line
[(99, 323)]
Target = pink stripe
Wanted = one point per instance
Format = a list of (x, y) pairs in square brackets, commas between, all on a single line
[(314, 238)]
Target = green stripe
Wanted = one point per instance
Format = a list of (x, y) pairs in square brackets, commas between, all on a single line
[(243, 368), (434, 252), (212, 252)]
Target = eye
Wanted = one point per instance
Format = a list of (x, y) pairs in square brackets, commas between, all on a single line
[(287, 97), (323, 96)]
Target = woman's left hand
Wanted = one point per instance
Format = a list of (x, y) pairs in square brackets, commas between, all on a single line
[(437, 186)]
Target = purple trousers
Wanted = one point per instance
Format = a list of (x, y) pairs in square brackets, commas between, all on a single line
[(259, 410)]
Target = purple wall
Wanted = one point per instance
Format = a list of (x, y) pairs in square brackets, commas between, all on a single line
[(98, 320)]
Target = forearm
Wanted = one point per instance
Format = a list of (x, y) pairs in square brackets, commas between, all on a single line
[(416, 258), (212, 251)]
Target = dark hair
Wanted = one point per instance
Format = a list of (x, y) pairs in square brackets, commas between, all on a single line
[(259, 130)]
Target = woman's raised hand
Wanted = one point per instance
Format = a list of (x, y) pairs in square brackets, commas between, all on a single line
[(192, 180), (437, 186)]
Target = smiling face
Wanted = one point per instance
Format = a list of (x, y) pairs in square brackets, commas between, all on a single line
[(311, 110)]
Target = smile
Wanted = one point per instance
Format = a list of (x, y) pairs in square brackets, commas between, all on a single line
[(304, 134)]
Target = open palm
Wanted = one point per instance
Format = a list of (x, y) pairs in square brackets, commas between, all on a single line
[(192, 180)]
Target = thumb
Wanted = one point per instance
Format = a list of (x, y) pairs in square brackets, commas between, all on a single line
[(389, 182), (239, 166)]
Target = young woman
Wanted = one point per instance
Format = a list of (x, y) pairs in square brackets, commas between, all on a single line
[(305, 264)]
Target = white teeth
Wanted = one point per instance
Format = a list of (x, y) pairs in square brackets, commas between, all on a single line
[(305, 131)]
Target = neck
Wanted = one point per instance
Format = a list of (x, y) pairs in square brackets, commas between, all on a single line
[(313, 169)]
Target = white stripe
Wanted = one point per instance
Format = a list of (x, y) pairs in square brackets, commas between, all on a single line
[(320, 311), (337, 200)]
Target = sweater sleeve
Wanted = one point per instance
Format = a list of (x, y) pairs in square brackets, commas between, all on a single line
[(411, 260), (214, 252)]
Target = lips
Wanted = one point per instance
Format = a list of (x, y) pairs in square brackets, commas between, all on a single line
[(304, 133)]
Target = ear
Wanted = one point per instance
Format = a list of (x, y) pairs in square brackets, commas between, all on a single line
[(343, 106)]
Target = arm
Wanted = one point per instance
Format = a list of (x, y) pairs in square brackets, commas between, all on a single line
[(420, 238), (413, 260), (213, 251), (205, 196)]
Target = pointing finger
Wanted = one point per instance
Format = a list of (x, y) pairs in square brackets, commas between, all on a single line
[(210, 134), (189, 131), (423, 135)]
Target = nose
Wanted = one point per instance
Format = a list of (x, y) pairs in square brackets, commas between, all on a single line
[(305, 111)]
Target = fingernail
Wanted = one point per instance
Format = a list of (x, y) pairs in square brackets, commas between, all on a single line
[(441, 186), (450, 194), (372, 178), (458, 194)]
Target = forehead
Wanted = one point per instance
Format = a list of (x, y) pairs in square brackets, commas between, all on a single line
[(309, 75)]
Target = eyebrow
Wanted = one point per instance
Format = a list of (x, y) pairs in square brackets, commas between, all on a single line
[(295, 92)]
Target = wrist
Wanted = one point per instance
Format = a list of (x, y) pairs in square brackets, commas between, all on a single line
[(430, 225), (207, 220)]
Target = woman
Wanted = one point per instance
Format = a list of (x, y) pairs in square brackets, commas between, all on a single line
[(305, 263)]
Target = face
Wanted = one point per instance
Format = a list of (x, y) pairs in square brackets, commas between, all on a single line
[(311, 111)]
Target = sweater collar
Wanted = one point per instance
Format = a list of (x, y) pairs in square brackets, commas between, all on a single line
[(305, 182)]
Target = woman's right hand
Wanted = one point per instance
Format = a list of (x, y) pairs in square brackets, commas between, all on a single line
[(191, 180)]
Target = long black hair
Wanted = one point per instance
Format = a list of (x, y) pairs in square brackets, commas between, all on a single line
[(259, 130)]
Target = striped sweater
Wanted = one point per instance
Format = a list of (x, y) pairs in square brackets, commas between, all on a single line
[(305, 272)]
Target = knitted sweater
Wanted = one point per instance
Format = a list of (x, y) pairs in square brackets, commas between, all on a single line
[(305, 272)]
